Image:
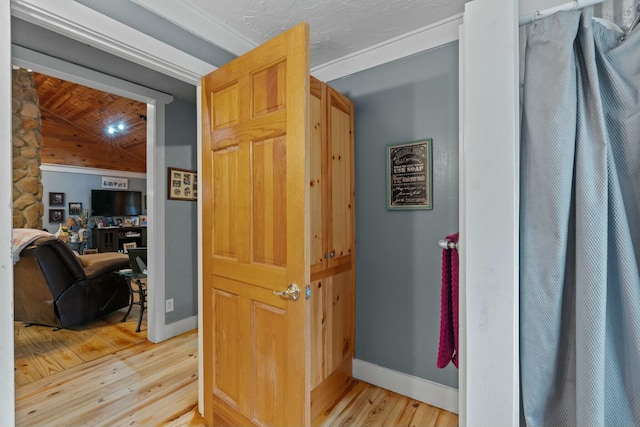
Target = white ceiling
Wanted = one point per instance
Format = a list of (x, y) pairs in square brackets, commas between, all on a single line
[(338, 27)]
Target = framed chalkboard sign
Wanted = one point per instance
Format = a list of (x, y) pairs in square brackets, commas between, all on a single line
[(409, 175)]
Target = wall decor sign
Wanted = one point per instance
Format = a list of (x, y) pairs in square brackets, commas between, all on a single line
[(409, 175), (115, 183), (182, 185)]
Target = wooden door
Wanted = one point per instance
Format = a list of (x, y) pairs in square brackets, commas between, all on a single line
[(256, 240)]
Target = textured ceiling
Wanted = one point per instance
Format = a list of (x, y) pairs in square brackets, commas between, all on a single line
[(338, 27)]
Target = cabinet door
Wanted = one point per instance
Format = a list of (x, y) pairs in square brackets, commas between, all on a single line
[(318, 332), (332, 325), (341, 178), (318, 176)]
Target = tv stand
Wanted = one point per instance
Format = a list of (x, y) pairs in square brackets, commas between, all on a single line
[(111, 239)]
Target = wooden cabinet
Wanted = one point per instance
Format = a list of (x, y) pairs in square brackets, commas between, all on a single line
[(332, 243), (111, 239), (331, 178)]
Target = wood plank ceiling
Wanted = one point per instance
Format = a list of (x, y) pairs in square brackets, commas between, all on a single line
[(75, 120)]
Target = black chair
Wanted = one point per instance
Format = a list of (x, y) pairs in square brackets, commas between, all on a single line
[(138, 260), (137, 277)]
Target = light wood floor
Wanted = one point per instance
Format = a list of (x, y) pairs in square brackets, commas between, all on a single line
[(104, 374)]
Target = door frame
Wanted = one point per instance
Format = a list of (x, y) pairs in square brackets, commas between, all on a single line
[(7, 403), (71, 19), (155, 101), (489, 214)]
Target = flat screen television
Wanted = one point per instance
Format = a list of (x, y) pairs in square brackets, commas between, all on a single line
[(116, 202)]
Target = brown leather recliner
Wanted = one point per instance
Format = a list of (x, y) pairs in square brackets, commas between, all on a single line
[(54, 287)]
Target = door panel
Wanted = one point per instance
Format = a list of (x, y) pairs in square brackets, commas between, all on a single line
[(269, 86), (318, 332), (256, 218), (227, 320), (270, 323), (339, 299), (318, 176), (340, 137), (269, 202), (225, 172)]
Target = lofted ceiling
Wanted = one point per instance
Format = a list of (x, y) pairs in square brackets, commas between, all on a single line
[(75, 120)]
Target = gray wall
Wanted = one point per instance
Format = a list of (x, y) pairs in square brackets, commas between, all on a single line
[(77, 188), (397, 255), (181, 217)]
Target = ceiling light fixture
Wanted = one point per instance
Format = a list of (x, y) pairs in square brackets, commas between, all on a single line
[(112, 129)]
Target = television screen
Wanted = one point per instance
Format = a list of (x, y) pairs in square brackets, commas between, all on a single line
[(116, 202)]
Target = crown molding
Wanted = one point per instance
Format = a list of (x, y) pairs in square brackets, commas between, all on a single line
[(420, 40), (50, 167), (84, 24), (30, 59), (191, 18)]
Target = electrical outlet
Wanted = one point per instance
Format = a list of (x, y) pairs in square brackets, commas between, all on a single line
[(168, 305)]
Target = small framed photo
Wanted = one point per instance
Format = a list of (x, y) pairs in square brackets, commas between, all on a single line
[(182, 184), (129, 245), (109, 221), (410, 175), (75, 208), (143, 220), (100, 222), (135, 221), (56, 215), (117, 221), (126, 222), (56, 199)]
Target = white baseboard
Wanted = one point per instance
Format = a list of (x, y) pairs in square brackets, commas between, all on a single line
[(176, 328), (426, 391)]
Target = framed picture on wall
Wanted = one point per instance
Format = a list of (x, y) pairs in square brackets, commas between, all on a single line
[(56, 199), (409, 175), (182, 184), (75, 208), (56, 215), (129, 245)]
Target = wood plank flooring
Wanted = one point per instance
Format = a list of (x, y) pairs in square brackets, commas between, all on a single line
[(41, 351), (107, 375)]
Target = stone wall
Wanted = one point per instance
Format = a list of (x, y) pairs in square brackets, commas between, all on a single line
[(28, 208)]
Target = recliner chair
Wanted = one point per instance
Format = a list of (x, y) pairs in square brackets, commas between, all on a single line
[(54, 287)]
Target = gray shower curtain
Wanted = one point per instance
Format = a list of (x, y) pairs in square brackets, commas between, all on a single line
[(580, 224)]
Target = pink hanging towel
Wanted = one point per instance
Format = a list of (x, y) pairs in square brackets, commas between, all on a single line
[(448, 349)]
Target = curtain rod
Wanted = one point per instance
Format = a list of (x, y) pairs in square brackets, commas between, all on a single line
[(572, 5)]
